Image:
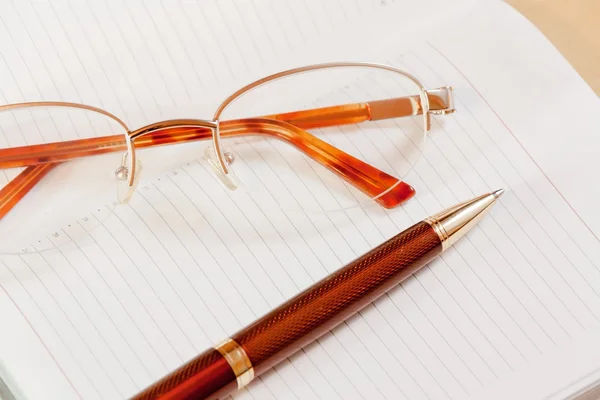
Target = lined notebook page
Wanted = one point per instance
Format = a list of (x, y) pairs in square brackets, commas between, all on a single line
[(181, 267), (150, 61), (143, 60)]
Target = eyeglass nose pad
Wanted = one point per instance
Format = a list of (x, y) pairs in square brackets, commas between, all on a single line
[(228, 179), (124, 191)]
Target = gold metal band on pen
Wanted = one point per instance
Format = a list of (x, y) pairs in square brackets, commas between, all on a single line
[(238, 361), (438, 227)]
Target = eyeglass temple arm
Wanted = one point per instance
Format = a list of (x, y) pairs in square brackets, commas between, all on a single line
[(40, 162), (440, 102), (370, 180), (376, 184), (17, 188)]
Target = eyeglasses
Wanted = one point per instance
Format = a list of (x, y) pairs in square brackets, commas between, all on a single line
[(357, 130)]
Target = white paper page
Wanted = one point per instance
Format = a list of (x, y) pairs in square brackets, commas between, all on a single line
[(527, 94), (144, 62), (566, 150), (476, 317)]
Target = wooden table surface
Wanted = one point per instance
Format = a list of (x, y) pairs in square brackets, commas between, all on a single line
[(573, 26)]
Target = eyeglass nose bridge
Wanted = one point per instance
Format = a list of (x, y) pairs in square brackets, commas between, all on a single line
[(219, 162)]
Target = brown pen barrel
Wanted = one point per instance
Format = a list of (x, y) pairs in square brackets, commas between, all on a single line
[(199, 378), (304, 318), (329, 302)]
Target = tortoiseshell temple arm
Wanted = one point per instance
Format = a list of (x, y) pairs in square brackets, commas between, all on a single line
[(363, 176), (288, 127), (368, 179), (440, 103), (16, 189)]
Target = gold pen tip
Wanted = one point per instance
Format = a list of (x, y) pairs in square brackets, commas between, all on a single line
[(454, 222), (498, 193)]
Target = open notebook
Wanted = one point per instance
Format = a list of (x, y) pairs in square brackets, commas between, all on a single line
[(512, 311)]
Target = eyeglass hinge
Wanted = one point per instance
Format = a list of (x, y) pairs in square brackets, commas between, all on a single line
[(441, 101)]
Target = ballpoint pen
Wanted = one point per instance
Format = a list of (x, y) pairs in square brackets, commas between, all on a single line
[(237, 360)]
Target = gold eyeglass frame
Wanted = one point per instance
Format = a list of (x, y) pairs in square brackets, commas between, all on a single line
[(288, 126)]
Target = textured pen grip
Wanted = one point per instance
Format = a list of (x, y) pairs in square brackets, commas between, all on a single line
[(324, 305)]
